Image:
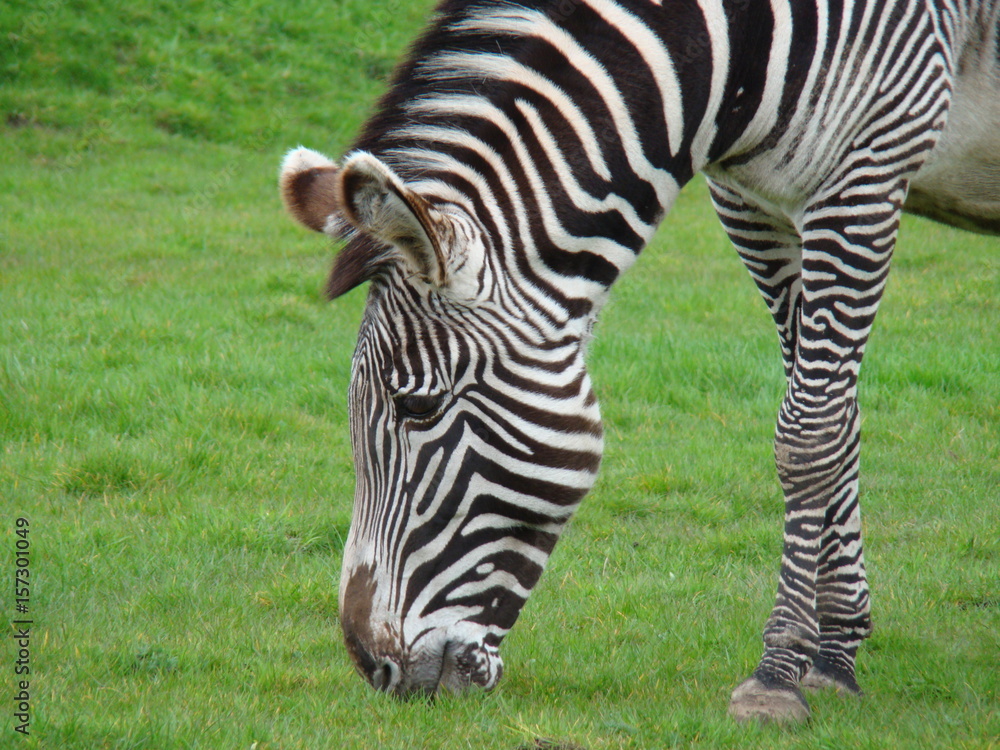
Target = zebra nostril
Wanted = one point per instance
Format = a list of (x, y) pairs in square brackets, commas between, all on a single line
[(385, 676)]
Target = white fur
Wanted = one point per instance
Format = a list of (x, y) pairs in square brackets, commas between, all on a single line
[(300, 159)]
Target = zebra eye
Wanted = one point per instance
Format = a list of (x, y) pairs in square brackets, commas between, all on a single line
[(416, 406)]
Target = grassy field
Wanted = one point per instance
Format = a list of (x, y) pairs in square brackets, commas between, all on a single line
[(173, 427)]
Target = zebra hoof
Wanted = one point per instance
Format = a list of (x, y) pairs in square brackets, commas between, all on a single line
[(752, 700)]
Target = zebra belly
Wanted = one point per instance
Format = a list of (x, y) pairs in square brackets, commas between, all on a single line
[(960, 182)]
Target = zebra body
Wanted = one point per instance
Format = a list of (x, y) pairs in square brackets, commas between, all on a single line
[(524, 156)]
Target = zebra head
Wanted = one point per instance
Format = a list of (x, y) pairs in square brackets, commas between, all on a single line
[(474, 427)]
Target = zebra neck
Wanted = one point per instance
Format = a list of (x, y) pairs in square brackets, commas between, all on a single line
[(567, 128)]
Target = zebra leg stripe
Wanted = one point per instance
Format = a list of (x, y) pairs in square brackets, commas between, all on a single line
[(824, 316), (842, 601), (771, 249), (822, 601)]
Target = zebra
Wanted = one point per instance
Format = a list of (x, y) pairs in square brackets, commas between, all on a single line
[(522, 157)]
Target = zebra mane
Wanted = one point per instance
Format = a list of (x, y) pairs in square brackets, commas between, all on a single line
[(364, 258), (406, 83), (395, 132)]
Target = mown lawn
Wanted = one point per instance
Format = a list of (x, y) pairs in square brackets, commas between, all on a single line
[(173, 426)]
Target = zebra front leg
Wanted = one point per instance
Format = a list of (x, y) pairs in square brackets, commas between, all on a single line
[(821, 611), (771, 249)]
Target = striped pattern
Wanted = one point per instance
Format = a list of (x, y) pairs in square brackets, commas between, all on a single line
[(524, 156), (478, 442)]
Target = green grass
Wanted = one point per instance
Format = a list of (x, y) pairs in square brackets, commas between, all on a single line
[(173, 424)]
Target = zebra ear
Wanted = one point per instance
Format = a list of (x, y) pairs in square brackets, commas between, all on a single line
[(308, 185), (376, 202)]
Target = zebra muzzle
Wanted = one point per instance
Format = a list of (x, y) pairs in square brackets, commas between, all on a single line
[(452, 666), (470, 664)]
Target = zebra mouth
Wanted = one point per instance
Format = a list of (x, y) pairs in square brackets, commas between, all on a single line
[(456, 668), (469, 665)]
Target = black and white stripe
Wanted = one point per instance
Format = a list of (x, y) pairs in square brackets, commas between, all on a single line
[(522, 159)]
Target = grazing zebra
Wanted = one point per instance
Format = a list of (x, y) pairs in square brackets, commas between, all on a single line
[(522, 159)]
